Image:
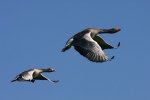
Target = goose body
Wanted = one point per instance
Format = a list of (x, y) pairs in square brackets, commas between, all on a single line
[(33, 74), (91, 46)]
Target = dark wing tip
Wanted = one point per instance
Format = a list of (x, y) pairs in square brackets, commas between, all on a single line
[(55, 81), (112, 57), (118, 44)]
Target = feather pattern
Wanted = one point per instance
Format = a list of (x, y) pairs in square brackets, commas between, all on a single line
[(91, 46), (90, 49)]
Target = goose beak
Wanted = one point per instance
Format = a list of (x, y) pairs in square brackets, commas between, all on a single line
[(53, 70), (117, 29), (50, 70)]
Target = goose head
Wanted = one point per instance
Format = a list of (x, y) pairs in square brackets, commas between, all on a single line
[(111, 31), (95, 31), (49, 70)]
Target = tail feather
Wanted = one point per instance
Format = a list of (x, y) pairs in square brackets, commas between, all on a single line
[(13, 80), (64, 49)]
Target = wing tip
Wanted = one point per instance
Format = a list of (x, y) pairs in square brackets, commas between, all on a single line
[(55, 81), (118, 45), (112, 57)]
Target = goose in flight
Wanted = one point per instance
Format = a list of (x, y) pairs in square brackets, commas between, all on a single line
[(34, 74), (91, 46)]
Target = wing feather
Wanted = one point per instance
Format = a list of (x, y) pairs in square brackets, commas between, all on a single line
[(104, 44), (90, 49)]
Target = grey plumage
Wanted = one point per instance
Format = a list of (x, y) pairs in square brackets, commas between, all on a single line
[(34, 74), (91, 46)]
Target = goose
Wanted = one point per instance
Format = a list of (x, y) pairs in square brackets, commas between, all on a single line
[(91, 46), (34, 74)]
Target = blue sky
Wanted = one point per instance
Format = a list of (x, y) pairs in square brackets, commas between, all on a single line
[(33, 32)]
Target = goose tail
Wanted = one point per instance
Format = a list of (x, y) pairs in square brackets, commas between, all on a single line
[(13, 80)]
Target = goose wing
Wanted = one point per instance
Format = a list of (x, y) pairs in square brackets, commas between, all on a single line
[(90, 49), (27, 75), (42, 77), (24, 76), (103, 44)]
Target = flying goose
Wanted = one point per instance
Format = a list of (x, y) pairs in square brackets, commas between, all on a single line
[(91, 46), (34, 74)]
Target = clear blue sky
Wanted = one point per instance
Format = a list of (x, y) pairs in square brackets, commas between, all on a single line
[(33, 32)]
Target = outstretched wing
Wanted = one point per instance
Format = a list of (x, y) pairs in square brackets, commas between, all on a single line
[(90, 49), (42, 77), (102, 43)]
